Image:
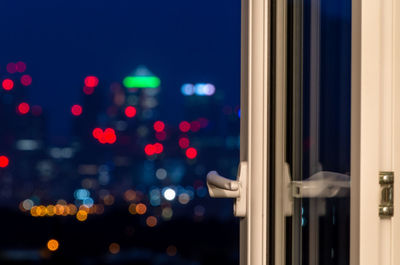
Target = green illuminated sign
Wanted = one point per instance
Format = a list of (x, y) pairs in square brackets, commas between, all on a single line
[(141, 82)]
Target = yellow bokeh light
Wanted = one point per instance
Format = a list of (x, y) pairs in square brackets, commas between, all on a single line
[(130, 195), (42, 211), (59, 209), (99, 209), (51, 210), (151, 221), (141, 208), (114, 248), (34, 211), (132, 208), (171, 250), (81, 215), (52, 245), (72, 209), (66, 210), (108, 200), (84, 208)]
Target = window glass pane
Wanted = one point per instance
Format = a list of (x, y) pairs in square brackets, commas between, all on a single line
[(319, 70), (112, 113)]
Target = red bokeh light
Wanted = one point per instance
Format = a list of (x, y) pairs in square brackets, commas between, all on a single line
[(159, 126), (26, 80), (184, 126), (11, 68), (91, 81), (158, 148), (107, 136), (149, 149), (97, 133), (23, 108), (76, 110), (88, 90), (130, 111), (191, 153), (161, 136), (37, 110), (203, 122), (4, 161), (8, 84), (20, 67), (184, 142), (195, 126)]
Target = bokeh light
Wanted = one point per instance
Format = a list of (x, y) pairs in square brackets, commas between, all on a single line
[(81, 215), (195, 126), (11, 68), (161, 174), (76, 110), (167, 213), (158, 126), (91, 81), (7, 84), (4, 161), (130, 111), (109, 200), (191, 153), (132, 208), (97, 132), (171, 250), (187, 89), (53, 244), (130, 195), (88, 90), (158, 148), (114, 248), (169, 194), (141, 208), (184, 126), (184, 142), (23, 108), (141, 82), (20, 67), (107, 136), (149, 149), (151, 221), (37, 110), (26, 80), (161, 136)]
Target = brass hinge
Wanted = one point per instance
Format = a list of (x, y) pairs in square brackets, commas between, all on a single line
[(386, 180)]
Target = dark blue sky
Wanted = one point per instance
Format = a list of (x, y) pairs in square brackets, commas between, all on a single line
[(63, 41)]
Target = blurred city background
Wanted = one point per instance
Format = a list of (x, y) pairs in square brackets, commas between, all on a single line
[(111, 115)]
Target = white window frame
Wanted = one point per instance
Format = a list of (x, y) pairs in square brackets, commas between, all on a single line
[(375, 125)]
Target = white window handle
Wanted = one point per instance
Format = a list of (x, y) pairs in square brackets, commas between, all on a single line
[(221, 187)]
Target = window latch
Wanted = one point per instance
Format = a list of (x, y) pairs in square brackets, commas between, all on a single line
[(323, 184), (221, 187)]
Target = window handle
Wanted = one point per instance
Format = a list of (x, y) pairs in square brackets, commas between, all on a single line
[(221, 187)]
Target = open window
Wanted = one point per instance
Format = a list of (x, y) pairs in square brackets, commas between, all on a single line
[(319, 133)]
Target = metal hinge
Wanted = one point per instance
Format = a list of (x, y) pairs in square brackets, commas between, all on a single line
[(386, 180)]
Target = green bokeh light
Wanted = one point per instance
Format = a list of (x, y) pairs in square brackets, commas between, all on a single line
[(141, 82)]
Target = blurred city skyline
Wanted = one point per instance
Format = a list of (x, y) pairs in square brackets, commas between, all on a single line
[(181, 42)]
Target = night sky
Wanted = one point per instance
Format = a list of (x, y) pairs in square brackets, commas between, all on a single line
[(64, 41)]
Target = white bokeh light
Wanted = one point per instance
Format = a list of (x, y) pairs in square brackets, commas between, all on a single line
[(169, 194)]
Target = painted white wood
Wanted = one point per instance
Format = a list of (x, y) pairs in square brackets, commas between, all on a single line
[(375, 129), (281, 191), (395, 235), (374, 148), (254, 226)]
